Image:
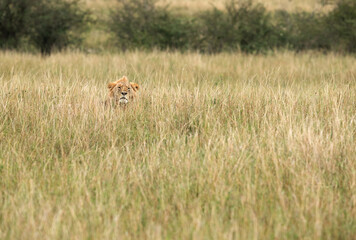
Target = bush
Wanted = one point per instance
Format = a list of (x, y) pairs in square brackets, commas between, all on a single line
[(216, 32), (242, 25), (12, 21), (311, 30), (47, 24), (56, 24), (140, 24), (341, 23), (302, 31)]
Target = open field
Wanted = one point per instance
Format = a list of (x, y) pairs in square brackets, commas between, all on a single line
[(217, 147)]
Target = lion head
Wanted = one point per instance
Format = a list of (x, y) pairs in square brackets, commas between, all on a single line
[(122, 91)]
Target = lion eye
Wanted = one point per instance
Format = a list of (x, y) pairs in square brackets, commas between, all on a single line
[(129, 89)]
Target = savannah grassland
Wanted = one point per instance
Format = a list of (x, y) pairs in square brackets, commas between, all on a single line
[(226, 146)]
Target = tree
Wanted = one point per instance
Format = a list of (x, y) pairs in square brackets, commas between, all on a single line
[(13, 15), (54, 24)]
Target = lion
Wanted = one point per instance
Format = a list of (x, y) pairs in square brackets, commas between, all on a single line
[(121, 92)]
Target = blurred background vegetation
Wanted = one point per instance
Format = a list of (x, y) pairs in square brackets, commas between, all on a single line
[(234, 25)]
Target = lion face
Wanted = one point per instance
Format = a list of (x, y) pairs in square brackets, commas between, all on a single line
[(122, 91)]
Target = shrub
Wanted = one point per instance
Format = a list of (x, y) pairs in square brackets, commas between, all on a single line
[(56, 24), (216, 32), (12, 21), (341, 23), (255, 30), (302, 31), (140, 24), (242, 25), (312, 30), (173, 32)]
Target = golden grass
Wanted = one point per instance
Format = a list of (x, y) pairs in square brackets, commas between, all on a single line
[(217, 147)]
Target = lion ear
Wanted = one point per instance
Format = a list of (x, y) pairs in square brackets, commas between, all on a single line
[(111, 85), (135, 86)]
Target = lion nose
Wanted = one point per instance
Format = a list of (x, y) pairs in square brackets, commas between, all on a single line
[(124, 93)]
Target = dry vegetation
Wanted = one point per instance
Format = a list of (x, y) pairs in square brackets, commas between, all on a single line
[(217, 147), (289, 5), (198, 5)]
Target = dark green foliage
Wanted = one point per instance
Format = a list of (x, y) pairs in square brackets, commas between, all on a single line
[(140, 24), (308, 30), (242, 26), (215, 32), (341, 23), (255, 30), (47, 24), (302, 31), (55, 24), (12, 21)]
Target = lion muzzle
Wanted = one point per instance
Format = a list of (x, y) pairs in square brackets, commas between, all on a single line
[(123, 100)]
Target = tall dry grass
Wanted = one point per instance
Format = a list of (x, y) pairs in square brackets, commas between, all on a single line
[(216, 147)]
